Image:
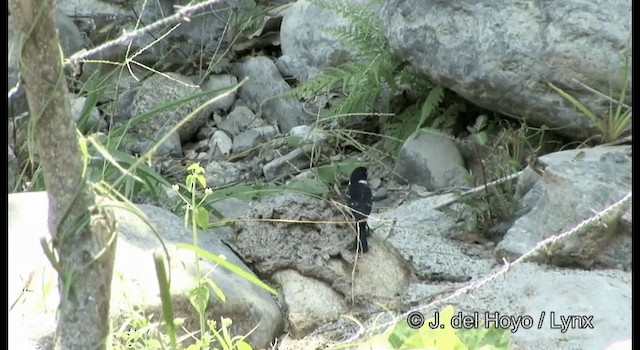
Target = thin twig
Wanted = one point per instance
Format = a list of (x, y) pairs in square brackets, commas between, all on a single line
[(478, 189), (181, 15)]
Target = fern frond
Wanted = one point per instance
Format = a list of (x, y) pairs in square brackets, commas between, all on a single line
[(481, 123), (363, 33), (448, 116), (430, 103)]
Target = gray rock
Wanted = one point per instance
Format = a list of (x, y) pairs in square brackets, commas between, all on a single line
[(239, 120), (89, 8), (247, 140), (319, 251), (120, 90), (309, 302), (573, 185), (232, 207), (267, 132), (157, 91), (289, 66), (71, 40), (418, 235), (217, 82), (306, 134), (432, 161), (228, 208), (206, 132), (196, 150), (77, 105), (501, 54), (251, 138), (304, 36), (171, 147), (535, 291), (380, 194), (155, 50), (264, 84), (219, 145), (134, 283), (207, 32), (292, 162), (226, 173)]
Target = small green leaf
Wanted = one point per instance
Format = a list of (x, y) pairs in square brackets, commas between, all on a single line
[(293, 141), (219, 293), (195, 168), (229, 266), (189, 182), (242, 345), (481, 138), (202, 218), (199, 297), (202, 181), (310, 186), (327, 173)]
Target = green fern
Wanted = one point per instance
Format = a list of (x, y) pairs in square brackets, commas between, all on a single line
[(364, 32), (374, 77), (430, 103), (361, 81)]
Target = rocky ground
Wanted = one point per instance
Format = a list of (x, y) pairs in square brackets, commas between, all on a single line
[(432, 234)]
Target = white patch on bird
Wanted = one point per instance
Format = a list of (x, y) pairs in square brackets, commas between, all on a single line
[(363, 182)]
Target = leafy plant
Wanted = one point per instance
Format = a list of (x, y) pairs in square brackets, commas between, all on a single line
[(500, 155), (439, 333), (136, 331), (373, 78), (616, 122)]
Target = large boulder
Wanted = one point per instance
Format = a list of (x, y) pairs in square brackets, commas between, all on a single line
[(574, 185), (432, 161), (500, 54), (599, 300), (134, 286)]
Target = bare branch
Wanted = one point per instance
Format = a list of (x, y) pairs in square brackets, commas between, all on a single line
[(181, 15)]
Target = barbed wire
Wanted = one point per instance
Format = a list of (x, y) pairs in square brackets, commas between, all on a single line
[(611, 209)]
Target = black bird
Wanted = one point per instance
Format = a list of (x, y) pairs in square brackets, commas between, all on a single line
[(359, 198)]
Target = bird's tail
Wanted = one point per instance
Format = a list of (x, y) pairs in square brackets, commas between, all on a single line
[(363, 235)]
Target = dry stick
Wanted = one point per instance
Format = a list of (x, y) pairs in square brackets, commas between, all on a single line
[(478, 189), (181, 15), (540, 246)]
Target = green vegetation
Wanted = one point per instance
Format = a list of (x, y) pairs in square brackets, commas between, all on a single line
[(371, 82), (375, 82), (618, 120), (444, 337), (138, 332)]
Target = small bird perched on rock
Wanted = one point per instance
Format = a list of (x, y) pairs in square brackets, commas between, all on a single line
[(359, 198)]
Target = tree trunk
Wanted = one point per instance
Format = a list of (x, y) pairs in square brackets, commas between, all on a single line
[(83, 234)]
